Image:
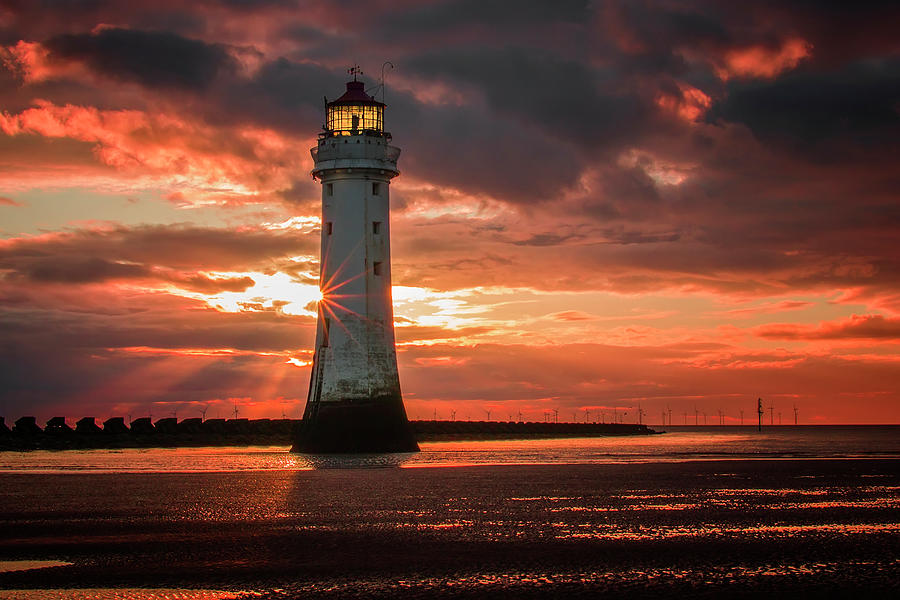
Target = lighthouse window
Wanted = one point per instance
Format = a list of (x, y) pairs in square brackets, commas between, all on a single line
[(328, 228), (329, 189), (376, 227), (376, 268), (376, 189), (349, 119)]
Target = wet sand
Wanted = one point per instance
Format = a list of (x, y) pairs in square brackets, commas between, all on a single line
[(707, 528)]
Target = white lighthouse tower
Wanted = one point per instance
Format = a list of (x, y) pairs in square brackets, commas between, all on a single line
[(354, 402)]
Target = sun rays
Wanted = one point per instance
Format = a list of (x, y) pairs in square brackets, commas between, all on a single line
[(278, 291)]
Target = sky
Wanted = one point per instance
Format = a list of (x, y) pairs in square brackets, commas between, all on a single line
[(604, 207)]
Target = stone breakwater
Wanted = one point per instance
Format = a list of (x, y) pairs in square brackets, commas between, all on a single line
[(58, 434)]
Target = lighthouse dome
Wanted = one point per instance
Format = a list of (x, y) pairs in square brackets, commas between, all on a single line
[(354, 113)]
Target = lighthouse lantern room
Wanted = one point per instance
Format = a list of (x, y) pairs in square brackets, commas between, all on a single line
[(353, 113)]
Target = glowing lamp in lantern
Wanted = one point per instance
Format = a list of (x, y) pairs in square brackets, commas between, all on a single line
[(354, 113)]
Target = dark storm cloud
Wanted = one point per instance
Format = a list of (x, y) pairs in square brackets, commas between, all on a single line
[(34, 17), (630, 192), (282, 93), (68, 269), (547, 239), (73, 262), (149, 58), (662, 29), (207, 285), (567, 99), (85, 256), (493, 13), (86, 270), (856, 106), (249, 5), (840, 32), (480, 154), (618, 236), (874, 327)]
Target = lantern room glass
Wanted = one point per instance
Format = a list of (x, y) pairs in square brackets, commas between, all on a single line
[(350, 119)]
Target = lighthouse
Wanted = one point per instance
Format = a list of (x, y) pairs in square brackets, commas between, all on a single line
[(354, 403)]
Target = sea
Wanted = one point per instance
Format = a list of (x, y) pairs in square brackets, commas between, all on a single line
[(673, 444), (718, 511)]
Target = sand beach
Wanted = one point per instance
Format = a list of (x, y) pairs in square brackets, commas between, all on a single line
[(748, 528)]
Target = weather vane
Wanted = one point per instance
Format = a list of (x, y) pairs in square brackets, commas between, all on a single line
[(354, 70)]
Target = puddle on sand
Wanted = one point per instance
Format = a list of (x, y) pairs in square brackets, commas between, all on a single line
[(484, 583), (8, 566), (119, 594), (607, 532)]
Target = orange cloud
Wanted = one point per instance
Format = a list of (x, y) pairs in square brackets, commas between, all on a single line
[(572, 315), (213, 165), (768, 308), (872, 327), (28, 60), (689, 105), (763, 61)]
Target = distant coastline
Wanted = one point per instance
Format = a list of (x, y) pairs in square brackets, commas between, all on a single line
[(165, 433)]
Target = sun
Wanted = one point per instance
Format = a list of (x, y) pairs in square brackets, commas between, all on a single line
[(270, 291)]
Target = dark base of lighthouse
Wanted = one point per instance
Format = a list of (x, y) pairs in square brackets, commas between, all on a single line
[(356, 427)]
